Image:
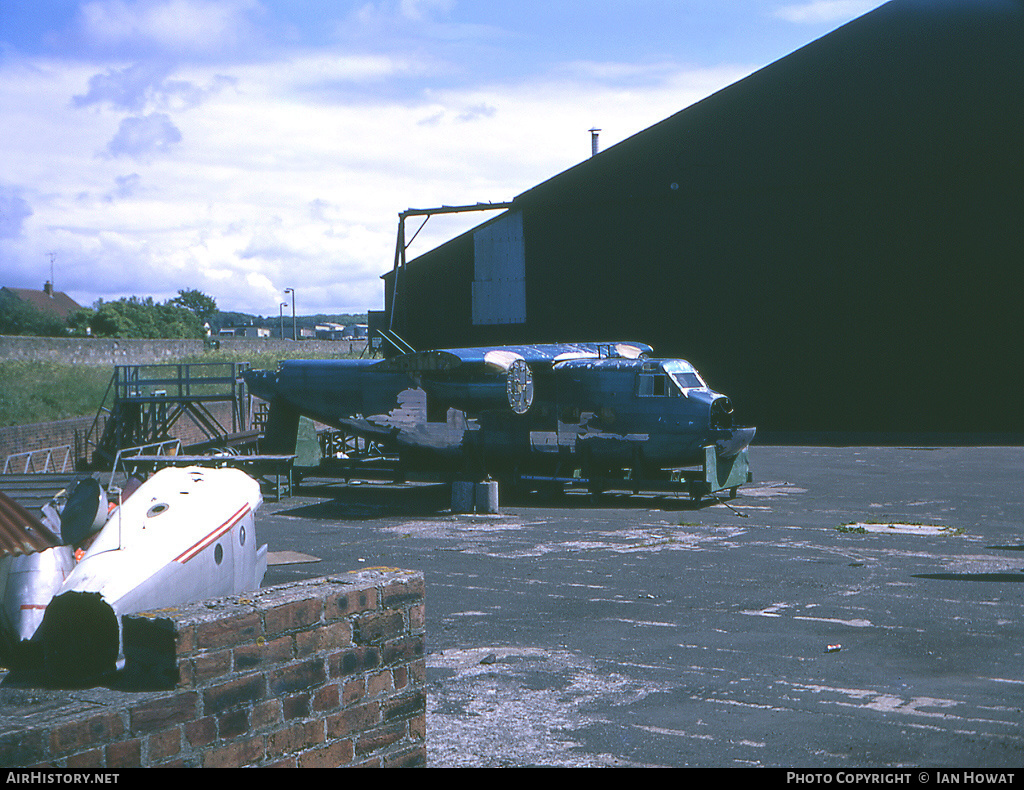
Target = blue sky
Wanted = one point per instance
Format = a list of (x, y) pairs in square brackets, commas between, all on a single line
[(242, 147)]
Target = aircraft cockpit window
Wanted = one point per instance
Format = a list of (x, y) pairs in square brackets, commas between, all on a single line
[(683, 374), (687, 380), (655, 385)]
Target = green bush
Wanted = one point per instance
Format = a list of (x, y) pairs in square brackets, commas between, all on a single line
[(18, 317), (137, 317)]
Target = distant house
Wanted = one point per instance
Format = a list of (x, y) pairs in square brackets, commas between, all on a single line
[(244, 331), (47, 301), (329, 331)]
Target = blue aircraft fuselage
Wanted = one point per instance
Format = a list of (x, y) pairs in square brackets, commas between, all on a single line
[(604, 405)]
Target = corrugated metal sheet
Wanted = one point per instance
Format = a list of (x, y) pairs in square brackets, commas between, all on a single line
[(499, 272), (20, 531)]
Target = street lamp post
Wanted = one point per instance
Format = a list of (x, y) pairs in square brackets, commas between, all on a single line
[(281, 311), (292, 292)]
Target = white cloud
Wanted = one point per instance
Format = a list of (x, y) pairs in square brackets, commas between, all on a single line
[(413, 26), (182, 26), (14, 210), (420, 10), (145, 84), (125, 186), (409, 10), (258, 188), (143, 136), (128, 88), (329, 78), (824, 11)]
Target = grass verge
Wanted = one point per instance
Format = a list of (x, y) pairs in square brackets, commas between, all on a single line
[(45, 391)]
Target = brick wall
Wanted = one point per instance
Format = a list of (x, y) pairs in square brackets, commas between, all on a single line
[(36, 436), (326, 672)]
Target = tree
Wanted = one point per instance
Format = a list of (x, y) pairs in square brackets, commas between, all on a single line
[(199, 303), (80, 321), (21, 318), (135, 317)]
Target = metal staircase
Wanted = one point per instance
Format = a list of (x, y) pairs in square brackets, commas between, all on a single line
[(143, 404)]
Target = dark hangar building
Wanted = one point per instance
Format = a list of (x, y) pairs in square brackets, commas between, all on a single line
[(836, 241)]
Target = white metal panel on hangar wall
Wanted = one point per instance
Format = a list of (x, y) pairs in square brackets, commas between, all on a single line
[(499, 272)]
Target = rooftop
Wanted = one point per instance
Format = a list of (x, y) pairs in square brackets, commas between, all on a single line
[(47, 300)]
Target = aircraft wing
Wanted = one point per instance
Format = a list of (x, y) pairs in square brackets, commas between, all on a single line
[(496, 359), (497, 377)]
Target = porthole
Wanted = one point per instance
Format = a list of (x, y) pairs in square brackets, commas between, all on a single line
[(218, 554), (241, 536), (157, 509)]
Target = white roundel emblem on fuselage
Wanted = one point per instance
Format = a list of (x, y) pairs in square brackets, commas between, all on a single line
[(519, 386)]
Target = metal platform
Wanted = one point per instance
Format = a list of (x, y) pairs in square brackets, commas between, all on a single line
[(143, 404)]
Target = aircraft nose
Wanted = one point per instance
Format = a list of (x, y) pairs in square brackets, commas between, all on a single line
[(721, 413)]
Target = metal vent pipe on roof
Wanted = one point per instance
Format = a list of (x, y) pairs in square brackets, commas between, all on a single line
[(593, 141)]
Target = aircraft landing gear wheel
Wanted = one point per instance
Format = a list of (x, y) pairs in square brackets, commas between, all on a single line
[(732, 492)]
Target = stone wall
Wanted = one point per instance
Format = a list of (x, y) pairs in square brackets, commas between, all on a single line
[(326, 672), (109, 351)]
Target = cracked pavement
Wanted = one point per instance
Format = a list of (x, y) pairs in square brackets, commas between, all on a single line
[(853, 607)]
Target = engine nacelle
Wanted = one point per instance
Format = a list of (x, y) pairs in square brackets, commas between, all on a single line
[(507, 389)]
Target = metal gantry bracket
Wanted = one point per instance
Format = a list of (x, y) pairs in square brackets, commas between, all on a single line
[(401, 245)]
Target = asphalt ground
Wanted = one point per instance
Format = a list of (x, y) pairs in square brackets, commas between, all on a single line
[(852, 608)]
